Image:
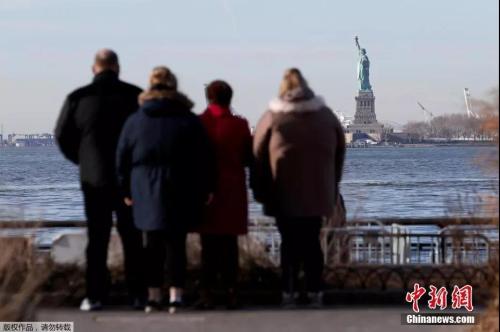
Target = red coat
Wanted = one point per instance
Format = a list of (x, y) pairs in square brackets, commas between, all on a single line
[(230, 135)]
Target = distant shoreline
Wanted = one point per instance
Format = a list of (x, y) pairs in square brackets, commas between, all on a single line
[(350, 146), (423, 145)]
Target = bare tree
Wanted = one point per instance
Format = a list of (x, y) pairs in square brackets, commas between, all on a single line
[(418, 130)]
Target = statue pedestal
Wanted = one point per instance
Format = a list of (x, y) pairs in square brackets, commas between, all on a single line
[(365, 108), (365, 123)]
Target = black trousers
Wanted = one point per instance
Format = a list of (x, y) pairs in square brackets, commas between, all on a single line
[(219, 256), (300, 247), (99, 207), (165, 247)]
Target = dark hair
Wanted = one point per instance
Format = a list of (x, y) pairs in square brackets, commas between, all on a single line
[(220, 93)]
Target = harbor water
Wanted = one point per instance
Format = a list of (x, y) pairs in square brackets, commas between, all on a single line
[(39, 184)]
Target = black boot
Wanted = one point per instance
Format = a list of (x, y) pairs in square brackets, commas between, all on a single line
[(233, 302), (205, 302)]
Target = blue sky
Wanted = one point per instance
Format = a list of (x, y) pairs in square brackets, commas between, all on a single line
[(420, 50)]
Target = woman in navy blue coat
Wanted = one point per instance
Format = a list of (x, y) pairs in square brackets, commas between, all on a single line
[(165, 168)]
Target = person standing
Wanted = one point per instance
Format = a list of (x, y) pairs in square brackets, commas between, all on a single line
[(299, 150), (165, 168), (226, 217), (87, 133)]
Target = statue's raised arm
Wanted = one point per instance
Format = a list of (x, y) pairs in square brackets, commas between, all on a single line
[(356, 39)]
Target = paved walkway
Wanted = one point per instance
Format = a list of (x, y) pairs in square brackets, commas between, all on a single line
[(336, 318)]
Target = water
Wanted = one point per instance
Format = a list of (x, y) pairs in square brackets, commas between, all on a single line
[(38, 184)]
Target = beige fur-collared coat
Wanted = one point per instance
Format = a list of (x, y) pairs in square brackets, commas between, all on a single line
[(299, 150)]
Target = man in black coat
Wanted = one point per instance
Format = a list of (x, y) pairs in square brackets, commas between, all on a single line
[(87, 133)]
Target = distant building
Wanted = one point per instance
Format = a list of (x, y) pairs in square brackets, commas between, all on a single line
[(344, 119), (23, 140)]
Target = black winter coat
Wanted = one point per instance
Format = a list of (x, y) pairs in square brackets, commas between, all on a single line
[(165, 163), (89, 126)]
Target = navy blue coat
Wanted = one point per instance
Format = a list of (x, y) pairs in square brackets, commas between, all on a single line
[(165, 163)]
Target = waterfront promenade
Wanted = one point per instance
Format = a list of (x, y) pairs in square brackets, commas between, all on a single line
[(354, 303), (366, 288), (335, 318)]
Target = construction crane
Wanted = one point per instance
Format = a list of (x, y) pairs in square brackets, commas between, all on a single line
[(427, 114), (468, 105)]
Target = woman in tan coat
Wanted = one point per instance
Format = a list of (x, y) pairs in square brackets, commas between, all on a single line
[(299, 150)]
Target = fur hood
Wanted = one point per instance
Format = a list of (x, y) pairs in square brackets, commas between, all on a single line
[(161, 94), (279, 105)]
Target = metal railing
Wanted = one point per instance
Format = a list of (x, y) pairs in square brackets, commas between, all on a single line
[(398, 245), (375, 243), (372, 242)]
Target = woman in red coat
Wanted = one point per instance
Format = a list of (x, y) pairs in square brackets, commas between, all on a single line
[(227, 214)]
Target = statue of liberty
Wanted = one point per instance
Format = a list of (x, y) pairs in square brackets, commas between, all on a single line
[(363, 69)]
